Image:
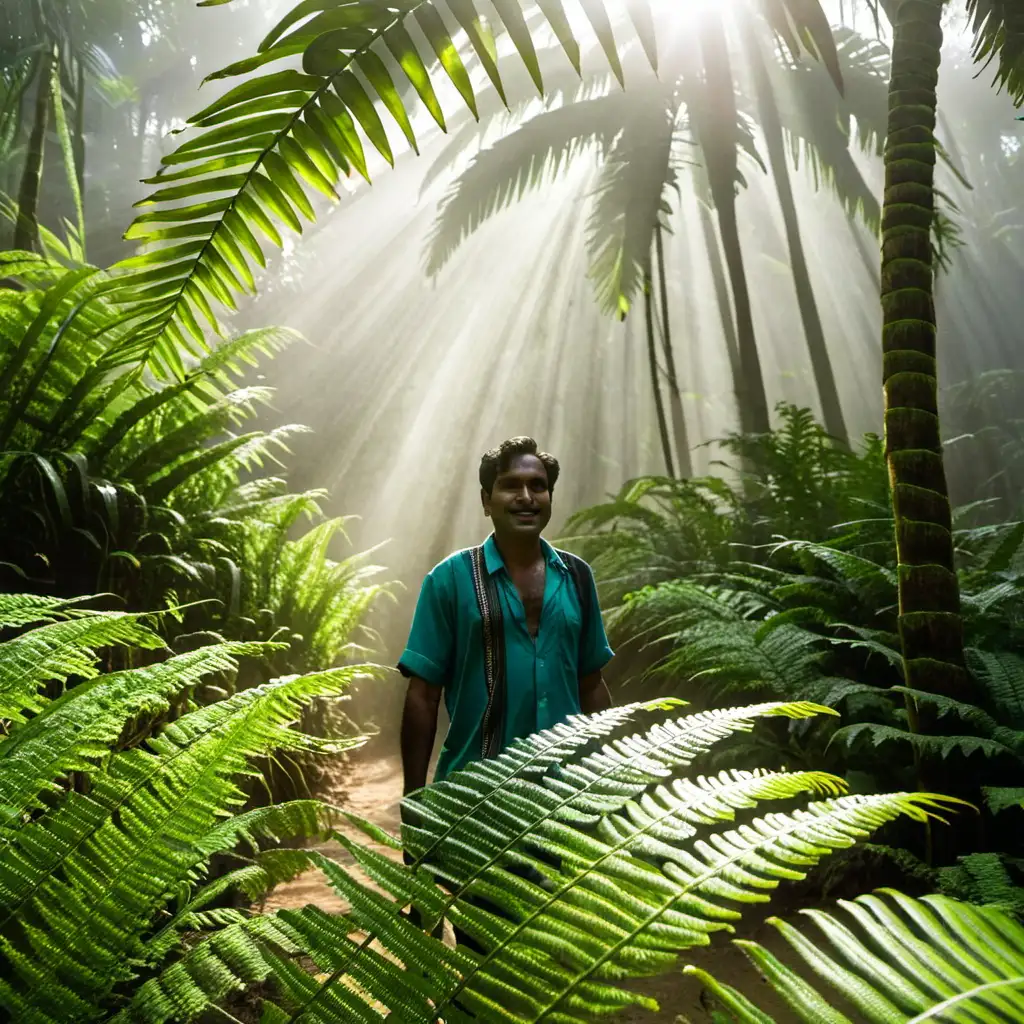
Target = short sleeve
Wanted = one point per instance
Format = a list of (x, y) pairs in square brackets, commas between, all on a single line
[(595, 652), (429, 653)]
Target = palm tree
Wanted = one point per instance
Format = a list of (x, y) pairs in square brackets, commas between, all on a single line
[(48, 52), (931, 629), (634, 190)]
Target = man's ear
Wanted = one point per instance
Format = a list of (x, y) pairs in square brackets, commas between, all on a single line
[(485, 500)]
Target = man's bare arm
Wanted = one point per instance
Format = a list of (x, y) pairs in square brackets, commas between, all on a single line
[(419, 726), (594, 694)]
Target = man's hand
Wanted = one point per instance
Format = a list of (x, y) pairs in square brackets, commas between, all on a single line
[(594, 695), (419, 726)]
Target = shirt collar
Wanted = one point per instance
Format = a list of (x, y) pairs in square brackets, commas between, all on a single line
[(493, 560)]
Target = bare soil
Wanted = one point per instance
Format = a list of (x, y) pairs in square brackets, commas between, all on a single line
[(371, 787)]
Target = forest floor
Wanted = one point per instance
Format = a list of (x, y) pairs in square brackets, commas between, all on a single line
[(371, 787)]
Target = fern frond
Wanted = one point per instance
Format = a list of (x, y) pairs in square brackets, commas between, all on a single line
[(59, 651), (98, 867), (26, 609), (72, 732), (892, 958)]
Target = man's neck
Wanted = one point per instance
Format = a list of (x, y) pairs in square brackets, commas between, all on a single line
[(519, 552)]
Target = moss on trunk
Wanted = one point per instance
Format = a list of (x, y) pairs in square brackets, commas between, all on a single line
[(931, 629)]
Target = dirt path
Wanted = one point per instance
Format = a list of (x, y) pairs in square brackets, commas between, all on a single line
[(371, 788)]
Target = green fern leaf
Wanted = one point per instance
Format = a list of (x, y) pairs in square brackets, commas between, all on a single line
[(59, 651), (892, 958), (74, 731)]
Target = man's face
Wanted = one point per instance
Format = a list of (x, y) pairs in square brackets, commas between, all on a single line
[(520, 502)]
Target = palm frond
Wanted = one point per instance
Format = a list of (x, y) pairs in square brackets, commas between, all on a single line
[(630, 200), (998, 27), (277, 134), (536, 152), (892, 958)]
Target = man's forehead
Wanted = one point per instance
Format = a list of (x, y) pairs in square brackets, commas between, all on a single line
[(524, 465)]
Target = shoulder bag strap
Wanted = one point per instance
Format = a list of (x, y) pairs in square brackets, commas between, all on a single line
[(489, 603)]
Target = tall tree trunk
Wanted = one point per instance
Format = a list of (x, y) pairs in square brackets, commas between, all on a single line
[(931, 628), (750, 391), (26, 231), (672, 378), (652, 357), (712, 107), (721, 286), (771, 126)]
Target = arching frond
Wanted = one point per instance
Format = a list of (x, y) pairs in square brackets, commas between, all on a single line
[(630, 199), (97, 867), (277, 134), (59, 651), (891, 958), (998, 27), (534, 153), (585, 853)]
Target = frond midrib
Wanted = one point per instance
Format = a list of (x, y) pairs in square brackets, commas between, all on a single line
[(177, 297)]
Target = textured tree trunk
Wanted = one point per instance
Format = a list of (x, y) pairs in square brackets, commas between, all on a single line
[(26, 231), (931, 629), (750, 390), (652, 357), (714, 105), (675, 397), (721, 286), (771, 126)]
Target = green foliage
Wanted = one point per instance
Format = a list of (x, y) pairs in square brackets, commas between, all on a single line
[(584, 854), (792, 481), (104, 839), (277, 136), (113, 482), (106, 910), (815, 619), (894, 960)]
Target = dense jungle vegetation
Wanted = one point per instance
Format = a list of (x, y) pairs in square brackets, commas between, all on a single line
[(819, 624)]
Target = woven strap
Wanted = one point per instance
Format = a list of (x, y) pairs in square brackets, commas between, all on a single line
[(489, 603)]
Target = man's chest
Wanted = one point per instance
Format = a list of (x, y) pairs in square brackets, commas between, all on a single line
[(528, 586)]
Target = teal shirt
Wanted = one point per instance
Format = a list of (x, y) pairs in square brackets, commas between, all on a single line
[(542, 676)]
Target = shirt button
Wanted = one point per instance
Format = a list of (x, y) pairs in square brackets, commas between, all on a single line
[(541, 662)]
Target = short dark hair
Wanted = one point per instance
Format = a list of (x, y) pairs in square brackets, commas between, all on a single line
[(497, 461)]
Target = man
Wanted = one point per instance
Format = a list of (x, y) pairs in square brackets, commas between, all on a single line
[(510, 634)]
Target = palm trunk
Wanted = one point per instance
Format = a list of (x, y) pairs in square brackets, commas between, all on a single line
[(771, 126), (721, 286), (931, 628), (750, 391), (675, 397), (652, 357), (26, 231), (714, 105)]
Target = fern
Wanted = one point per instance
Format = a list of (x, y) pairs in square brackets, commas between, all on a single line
[(633, 864), (891, 958), (141, 487), (84, 874), (633, 859)]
